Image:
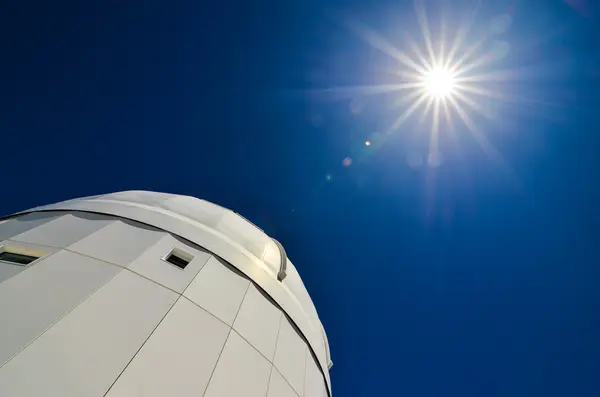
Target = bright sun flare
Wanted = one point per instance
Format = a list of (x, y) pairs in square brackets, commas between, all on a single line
[(439, 82), (446, 78)]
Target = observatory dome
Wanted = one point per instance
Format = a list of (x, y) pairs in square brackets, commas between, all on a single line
[(100, 294)]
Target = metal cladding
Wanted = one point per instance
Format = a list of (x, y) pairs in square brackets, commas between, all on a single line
[(150, 294)]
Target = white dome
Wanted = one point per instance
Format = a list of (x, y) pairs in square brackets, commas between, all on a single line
[(227, 235)]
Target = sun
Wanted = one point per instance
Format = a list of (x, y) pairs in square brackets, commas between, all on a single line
[(439, 82), (444, 77)]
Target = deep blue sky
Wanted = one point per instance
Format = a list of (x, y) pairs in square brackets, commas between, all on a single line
[(462, 280)]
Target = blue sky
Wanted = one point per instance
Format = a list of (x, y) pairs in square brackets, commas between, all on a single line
[(472, 275)]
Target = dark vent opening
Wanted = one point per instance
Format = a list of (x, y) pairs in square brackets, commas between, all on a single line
[(17, 258), (177, 260)]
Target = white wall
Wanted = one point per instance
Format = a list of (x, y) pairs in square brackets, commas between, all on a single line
[(103, 315)]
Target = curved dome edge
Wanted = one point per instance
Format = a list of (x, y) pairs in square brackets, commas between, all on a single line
[(220, 244)]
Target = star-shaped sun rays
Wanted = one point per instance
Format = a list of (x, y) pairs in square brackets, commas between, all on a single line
[(445, 80)]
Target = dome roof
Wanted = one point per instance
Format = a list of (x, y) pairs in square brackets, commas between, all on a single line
[(226, 234)]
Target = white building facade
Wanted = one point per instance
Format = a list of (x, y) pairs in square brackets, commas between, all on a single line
[(150, 294)]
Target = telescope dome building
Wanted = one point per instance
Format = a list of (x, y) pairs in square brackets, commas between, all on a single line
[(150, 294)]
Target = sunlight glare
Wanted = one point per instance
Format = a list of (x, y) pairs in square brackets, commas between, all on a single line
[(441, 77), (439, 82)]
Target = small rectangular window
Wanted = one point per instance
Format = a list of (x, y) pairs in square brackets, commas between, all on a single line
[(19, 259), (19, 255), (178, 258)]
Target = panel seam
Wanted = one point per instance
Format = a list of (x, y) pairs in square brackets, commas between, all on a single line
[(305, 365), (142, 346), (224, 344), (59, 319), (270, 376)]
